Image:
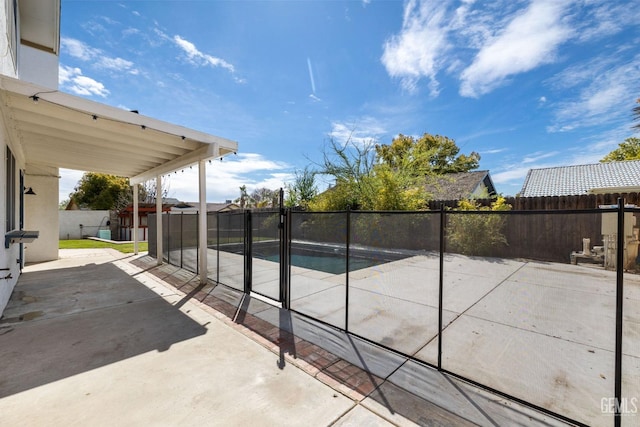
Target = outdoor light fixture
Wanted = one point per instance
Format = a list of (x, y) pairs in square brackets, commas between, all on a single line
[(143, 127), (95, 118), (30, 191), (35, 98), (183, 137)]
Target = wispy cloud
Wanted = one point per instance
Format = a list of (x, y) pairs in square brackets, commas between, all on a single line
[(605, 18), (78, 49), (605, 89), (415, 53), (97, 57), (198, 58), (359, 131), (535, 157), (530, 40), (313, 82), (494, 151), (73, 80)]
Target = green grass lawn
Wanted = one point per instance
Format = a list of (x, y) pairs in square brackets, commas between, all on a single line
[(91, 244)]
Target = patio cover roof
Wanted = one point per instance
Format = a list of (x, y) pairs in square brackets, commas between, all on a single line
[(61, 130)]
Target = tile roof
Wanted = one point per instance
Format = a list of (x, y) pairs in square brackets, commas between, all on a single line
[(457, 186), (579, 179)]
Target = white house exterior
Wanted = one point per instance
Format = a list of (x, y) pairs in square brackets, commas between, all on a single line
[(43, 130)]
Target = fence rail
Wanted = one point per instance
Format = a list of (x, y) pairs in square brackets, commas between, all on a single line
[(491, 297)]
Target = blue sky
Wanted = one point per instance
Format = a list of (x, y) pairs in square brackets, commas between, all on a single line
[(527, 84)]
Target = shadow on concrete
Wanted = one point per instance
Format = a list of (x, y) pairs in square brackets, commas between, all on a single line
[(86, 317)]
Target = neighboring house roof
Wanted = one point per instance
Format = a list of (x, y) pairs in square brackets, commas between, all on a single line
[(583, 179), (211, 207), (461, 185)]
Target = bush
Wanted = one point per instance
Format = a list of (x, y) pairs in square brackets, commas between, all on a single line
[(479, 232)]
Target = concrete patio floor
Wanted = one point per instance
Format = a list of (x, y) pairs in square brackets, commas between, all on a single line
[(542, 332), (100, 338)]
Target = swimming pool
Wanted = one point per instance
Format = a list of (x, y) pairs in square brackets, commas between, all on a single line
[(327, 258)]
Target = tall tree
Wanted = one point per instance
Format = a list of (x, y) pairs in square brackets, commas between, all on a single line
[(627, 150), (429, 154), (351, 166), (245, 199), (102, 191)]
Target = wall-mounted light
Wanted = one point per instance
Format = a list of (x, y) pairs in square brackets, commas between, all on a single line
[(30, 191), (35, 98)]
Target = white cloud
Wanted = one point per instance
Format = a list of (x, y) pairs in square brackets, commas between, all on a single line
[(510, 175), (198, 58), (415, 52), (73, 80), (78, 49), (314, 98), (224, 178), (359, 131), (84, 52), (530, 40), (117, 64)]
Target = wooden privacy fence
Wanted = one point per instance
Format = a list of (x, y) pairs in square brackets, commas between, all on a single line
[(584, 201)]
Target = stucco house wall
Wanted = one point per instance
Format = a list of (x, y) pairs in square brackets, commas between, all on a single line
[(39, 214), (40, 67)]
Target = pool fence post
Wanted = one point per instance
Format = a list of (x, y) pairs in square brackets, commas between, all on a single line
[(619, 306), (346, 306), (440, 285), (247, 251)]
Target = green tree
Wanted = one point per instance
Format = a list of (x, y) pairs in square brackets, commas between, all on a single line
[(627, 150), (429, 154), (370, 176), (102, 191), (303, 189)]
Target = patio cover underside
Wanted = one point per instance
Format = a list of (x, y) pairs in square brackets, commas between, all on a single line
[(51, 128)]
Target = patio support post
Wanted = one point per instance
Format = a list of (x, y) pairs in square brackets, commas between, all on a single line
[(159, 238), (135, 219), (202, 222)]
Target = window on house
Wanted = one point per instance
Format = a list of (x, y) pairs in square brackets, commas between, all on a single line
[(10, 193), (11, 9)]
